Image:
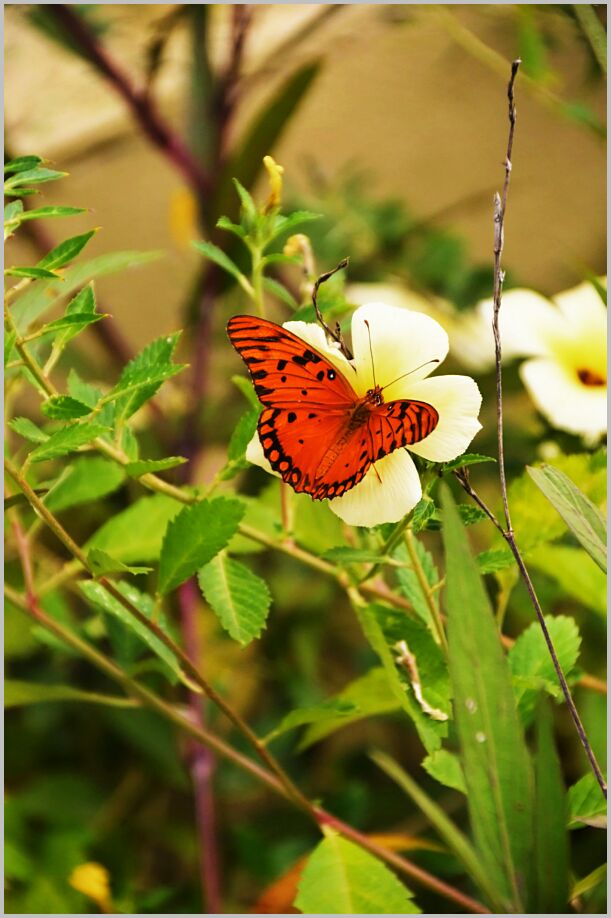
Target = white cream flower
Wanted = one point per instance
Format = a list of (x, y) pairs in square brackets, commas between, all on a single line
[(566, 376), (403, 344)]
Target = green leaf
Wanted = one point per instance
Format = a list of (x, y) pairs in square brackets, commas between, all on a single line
[(280, 292), (66, 440), (531, 664), (454, 838), (71, 325), (242, 434), (53, 210), (575, 572), (21, 164), (597, 878), (28, 430), (9, 344), (197, 534), (470, 514), (409, 585), (333, 709), (494, 559), (143, 375), (86, 479), (345, 554), (42, 296), (12, 210), (248, 391), (100, 598), (424, 510), (136, 534), (66, 251), (467, 459), (342, 879), (494, 756), (583, 518), (285, 224), (35, 176), (226, 224), (587, 805), (384, 628), (101, 563), (30, 272), (18, 693), (64, 408), (145, 466), (239, 598), (551, 840), (368, 695), (445, 767), (219, 257)]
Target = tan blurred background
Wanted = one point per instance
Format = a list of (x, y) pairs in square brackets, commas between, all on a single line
[(413, 93)]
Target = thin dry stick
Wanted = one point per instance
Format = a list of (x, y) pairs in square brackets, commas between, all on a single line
[(318, 814), (500, 206)]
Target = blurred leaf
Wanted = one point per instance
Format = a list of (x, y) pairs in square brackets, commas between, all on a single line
[(383, 628), (239, 598), (445, 767), (195, 536), (342, 879), (226, 224), (64, 408), (101, 599), (248, 391), (9, 344), (146, 466), (409, 585), (345, 554), (531, 664), (242, 434), (53, 210), (284, 224), (575, 572), (532, 47), (21, 164), (333, 709), (28, 430), (66, 440), (494, 756), (466, 459), (66, 251), (71, 325), (143, 375), (583, 518), (101, 563), (453, 837), (30, 272), (368, 695), (551, 840), (597, 877), (26, 177), (219, 257), (470, 514), (42, 296), (494, 559), (280, 292), (87, 479), (18, 693), (587, 806), (136, 533)]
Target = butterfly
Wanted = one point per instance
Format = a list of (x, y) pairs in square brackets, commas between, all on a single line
[(315, 431)]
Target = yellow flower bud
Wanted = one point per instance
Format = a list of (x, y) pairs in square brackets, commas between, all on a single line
[(274, 172), (93, 880)]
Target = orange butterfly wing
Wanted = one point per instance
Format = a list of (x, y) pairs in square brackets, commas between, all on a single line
[(315, 431)]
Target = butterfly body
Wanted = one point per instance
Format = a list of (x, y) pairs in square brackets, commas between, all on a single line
[(315, 431)]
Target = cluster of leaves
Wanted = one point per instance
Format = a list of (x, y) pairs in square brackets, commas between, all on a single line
[(474, 710)]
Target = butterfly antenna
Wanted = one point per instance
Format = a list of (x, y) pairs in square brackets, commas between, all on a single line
[(334, 334), (373, 366), (409, 373)]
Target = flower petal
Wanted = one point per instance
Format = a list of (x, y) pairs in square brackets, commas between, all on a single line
[(383, 499), (401, 342), (526, 322), (458, 400), (564, 400), (313, 334), (254, 453)]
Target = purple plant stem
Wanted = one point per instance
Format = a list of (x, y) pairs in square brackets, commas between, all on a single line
[(140, 103), (201, 762)]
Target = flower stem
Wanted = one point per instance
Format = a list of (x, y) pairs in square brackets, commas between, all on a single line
[(410, 543)]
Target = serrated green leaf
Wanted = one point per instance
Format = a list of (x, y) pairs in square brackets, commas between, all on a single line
[(64, 408), (551, 840), (239, 598), (215, 254), (586, 804), (136, 534), (494, 559), (30, 272), (531, 664), (18, 693), (71, 324), (370, 694), (454, 838), (43, 296), (28, 430), (83, 391), (145, 466), (467, 459), (280, 292), (342, 879), (66, 251), (424, 510), (445, 767), (493, 751), (143, 375), (575, 572), (470, 514), (195, 536), (67, 440), (409, 584), (95, 594), (583, 518), (86, 479), (101, 563)]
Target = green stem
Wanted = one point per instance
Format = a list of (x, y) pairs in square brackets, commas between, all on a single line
[(410, 542), (585, 14)]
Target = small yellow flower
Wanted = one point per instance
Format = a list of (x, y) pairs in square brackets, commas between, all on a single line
[(93, 880), (274, 172)]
